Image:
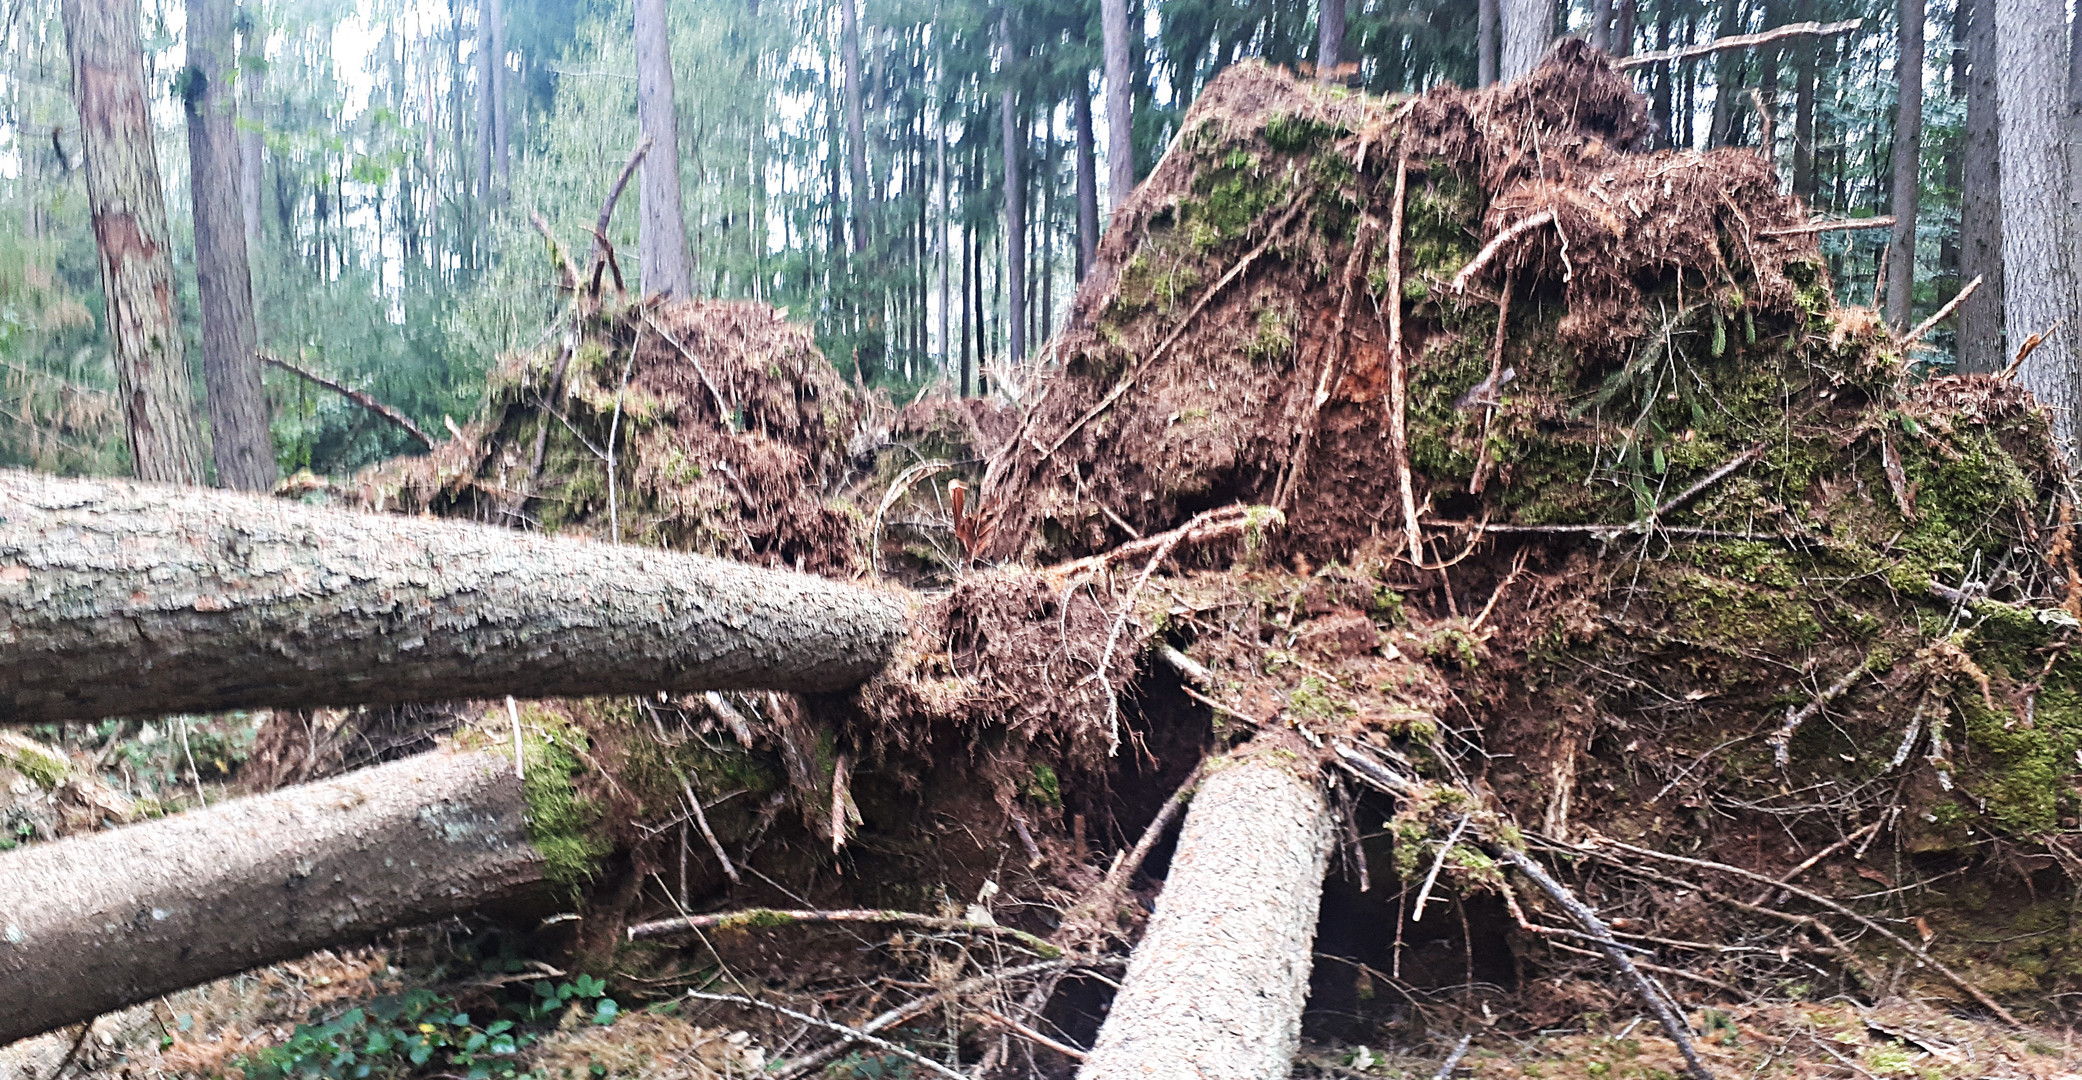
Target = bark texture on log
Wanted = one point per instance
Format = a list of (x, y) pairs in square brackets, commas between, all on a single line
[(1215, 989), (110, 919), (119, 598)]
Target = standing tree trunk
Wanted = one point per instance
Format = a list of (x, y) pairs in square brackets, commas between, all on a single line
[(856, 121), (1528, 27), (1015, 201), (1908, 164), (487, 101), (126, 599), (252, 77), (2031, 103), (1087, 184), (1727, 78), (1486, 18), (1623, 29), (129, 214), (502, 155), (1804, 56), (662, 228), (1661, 103), (97, 922), (239, 438), (1120, 109), (1980, 199), (1216, 987), (1330, 38)]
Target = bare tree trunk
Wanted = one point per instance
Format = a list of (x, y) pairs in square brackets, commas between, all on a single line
[(252, 78), (1215, 989), (1601, 25), (1015, 201), (1980, 199), (1087, 184), (1528, 27), (1908, 164), (487, 118), (2031, 103), (1623, 30), (1804, 52), (97, 922), (856, 121), (502, 155), (240, 441), (1661, 100), (129, 214), (946, 211), (1486, 19), (662, 236), (1330, 37), (1120, 125), (120, 598), (1727, 77)]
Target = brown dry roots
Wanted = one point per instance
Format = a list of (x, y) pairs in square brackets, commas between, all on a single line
[(1670, 496)]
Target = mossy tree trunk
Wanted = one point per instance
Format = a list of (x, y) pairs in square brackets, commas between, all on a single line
[(127, 599), (1215, 989), (110, 919)]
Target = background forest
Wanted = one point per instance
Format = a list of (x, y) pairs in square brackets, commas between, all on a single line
[(393, 152)]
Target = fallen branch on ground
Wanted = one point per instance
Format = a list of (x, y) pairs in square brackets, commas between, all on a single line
[(769, 918)]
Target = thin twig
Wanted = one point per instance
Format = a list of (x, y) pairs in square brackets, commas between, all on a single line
[(1029, 1034), (1781, 741), (601, 248), (1300, 203), (1453, 1059), (1951, 305), (708, 834), (358, 397), (1809, 862), (1120, 621), (767, 918), (911, 1010), (727, 414), (1437, 864), (854, 1034), (1095, 910), (1740, 41), (1916, 951), (78, 1041)]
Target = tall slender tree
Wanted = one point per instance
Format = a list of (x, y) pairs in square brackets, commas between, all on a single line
[(2037, 237), (1087, 182), (1528, 27), (662, 229), (1980, 197), (129, 214), (252, 82), (1486, 19), (502, 154), (1908, 162), (239, 437), (1330, 38), (1120, 88), (1805, 54), (1015, 197), (856, 123)]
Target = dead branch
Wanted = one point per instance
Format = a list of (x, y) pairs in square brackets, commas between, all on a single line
[(602, 250), (1453, 1059), (1209, 526), (1398, 374), (724, 412), (358, 397), (1834, 225), (2031, 345), (1085, 922), (557, 254), (1490, 250), (1029, 1034), (1810, 862), (767, 918), (1677, 501), (708, 834), (1740, 41), (1951, 305), (853, 1034), (913, 1009), (1914, 950), (1781, 741)]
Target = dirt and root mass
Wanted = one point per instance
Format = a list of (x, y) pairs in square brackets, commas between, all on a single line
[(1456, 434)]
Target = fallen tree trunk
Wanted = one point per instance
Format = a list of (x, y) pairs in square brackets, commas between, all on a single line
[(1215, 989), (119, 598), (110, 919)]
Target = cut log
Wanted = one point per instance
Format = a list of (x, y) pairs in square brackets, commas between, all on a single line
[(1215, 989), (102, 921), (119, 598)]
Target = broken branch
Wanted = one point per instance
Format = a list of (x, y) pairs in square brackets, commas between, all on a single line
[(1740, 41), (1833, 225), (1490, 250), (1951, 305), (403, 422)]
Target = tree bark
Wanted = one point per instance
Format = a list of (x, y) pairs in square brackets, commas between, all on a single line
[(2031, 74), (1980, 199), (1486, 18), (487, 123), (1087, 184), (1804, 55), (1015, 201), (129, 215), (502, 154), (240, 442), (856, 121), (1120, 109), (252, 77), (1528, 28), (1908, 164), (97, 922), (662, 225), (1623, 30), (1727, 77), (1330, 38), (1601, 25), (120, 598), (1216, 987)]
